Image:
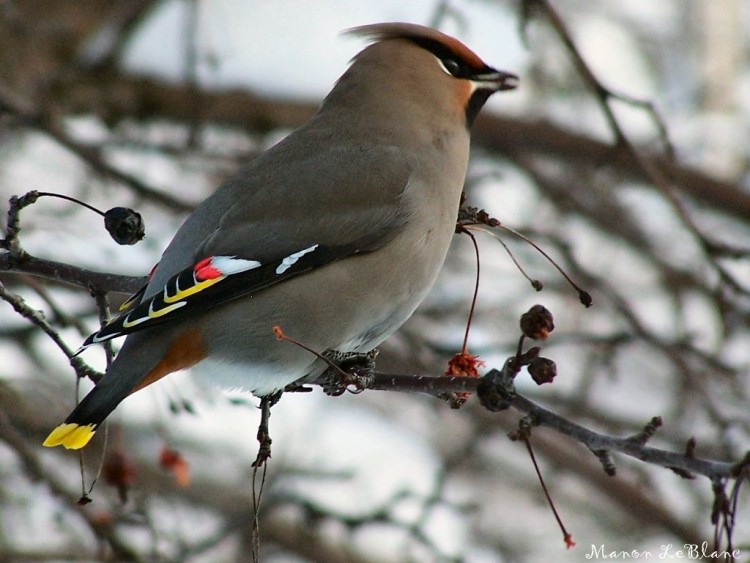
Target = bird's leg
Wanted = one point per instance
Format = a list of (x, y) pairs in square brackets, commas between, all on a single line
[(264, 437), (348, 369)]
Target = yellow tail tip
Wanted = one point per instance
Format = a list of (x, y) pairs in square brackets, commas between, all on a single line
[(70, 435)]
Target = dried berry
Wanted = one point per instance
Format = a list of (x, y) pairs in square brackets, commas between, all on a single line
[(537, 323), (120, 472), (542, 370), (124, 225), (172, 461)]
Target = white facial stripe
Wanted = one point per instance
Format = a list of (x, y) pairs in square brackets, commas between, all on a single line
[(229, 265), (291, 260), (442, 65)]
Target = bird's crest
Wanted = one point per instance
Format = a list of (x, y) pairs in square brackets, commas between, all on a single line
[(425, 36)]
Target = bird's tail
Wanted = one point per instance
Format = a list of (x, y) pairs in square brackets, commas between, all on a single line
[(124, 376), (81, 425)]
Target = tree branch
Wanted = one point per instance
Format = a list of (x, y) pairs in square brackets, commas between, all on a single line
[(595, 441), (655, 175), (69, 275), (115, 96)]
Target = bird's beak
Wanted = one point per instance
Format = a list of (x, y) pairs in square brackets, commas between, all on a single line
[(496, 80)]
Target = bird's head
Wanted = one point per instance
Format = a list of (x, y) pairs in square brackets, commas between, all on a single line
[(419, 68)]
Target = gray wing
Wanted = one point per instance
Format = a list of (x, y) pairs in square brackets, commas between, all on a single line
[(338, 195), (266, 225)]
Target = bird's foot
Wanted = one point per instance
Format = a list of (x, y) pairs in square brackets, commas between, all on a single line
[(348, 369)]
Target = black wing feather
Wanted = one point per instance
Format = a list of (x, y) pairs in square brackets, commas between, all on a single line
[(156, 310)]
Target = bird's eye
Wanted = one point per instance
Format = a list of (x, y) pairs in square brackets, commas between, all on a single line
[(453, 67)]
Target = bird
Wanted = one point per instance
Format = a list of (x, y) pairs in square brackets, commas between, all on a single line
[(335, 234)]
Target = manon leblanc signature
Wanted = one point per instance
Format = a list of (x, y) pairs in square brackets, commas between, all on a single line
[(666, 551)]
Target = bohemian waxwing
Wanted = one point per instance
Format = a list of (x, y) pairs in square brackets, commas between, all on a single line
[(335, 234)]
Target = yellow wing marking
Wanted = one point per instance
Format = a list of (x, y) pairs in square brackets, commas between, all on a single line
[(192, 290)]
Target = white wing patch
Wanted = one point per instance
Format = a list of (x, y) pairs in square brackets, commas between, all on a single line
[(229, 265), (291, 260)]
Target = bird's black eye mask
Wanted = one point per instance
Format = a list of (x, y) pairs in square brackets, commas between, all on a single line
[(453, 63)]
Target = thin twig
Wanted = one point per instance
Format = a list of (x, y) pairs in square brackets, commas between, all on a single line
[(35, 469), (603, 95), (37, 318), (91, 155)]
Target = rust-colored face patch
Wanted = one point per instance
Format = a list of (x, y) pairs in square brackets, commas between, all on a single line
[(463, 91)]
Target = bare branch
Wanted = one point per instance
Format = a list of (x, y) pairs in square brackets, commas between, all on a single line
[(33, 466), (91, 155), (70, 275), (659, 178), (37, 318), (116, 97), (597, 442)]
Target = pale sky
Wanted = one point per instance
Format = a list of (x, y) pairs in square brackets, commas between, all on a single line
[(295, 48)]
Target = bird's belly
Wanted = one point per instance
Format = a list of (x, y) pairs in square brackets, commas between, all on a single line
[(258, 378), (348, 306)]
